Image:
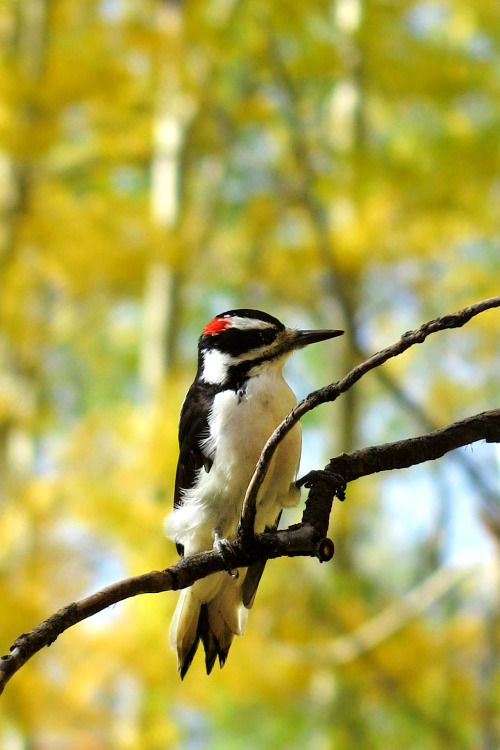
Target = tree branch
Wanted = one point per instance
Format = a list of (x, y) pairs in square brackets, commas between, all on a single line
[(332, 392), (307, 538)]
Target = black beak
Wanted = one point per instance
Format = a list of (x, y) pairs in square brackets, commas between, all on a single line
[(304, 338)]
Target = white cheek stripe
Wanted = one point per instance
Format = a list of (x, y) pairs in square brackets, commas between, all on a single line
[(215, 366)]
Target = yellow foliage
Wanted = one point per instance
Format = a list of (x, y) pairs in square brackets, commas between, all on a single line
[(281, 194)]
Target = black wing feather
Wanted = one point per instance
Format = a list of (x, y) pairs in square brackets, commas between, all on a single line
[(254, 574), (193, 427)]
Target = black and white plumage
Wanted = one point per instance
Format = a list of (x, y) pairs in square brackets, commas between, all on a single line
[(238, 398)]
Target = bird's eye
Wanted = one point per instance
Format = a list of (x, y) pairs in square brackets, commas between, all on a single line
[(266, 337)]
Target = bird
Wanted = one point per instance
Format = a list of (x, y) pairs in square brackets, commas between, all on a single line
[(238, 398)]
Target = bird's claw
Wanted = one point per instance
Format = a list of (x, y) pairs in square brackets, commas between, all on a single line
[(223, 547), (335, 481)]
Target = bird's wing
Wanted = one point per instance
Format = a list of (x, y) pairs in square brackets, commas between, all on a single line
[(193, 427)]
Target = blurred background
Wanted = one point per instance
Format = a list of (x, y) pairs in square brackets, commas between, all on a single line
[(337, 164)]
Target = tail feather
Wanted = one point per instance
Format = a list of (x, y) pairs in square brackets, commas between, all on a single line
[(227, 607), (184, 665), (216, 641), (184, 634), (208, 639), (215, 623)]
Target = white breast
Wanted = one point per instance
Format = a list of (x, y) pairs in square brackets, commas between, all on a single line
[(240, 425)]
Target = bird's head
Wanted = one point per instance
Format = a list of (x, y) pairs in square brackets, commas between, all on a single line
[(237, 342)]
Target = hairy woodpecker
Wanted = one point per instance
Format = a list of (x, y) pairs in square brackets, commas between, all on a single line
[(237, 399)]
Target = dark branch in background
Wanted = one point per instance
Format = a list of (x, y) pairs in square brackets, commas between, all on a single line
[(307, 538), (340, 284)]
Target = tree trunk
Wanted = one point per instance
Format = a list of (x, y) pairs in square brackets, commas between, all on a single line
[(162, 284)]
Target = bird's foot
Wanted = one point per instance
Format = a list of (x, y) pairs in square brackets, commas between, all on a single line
[(223, 547), (335, 482)]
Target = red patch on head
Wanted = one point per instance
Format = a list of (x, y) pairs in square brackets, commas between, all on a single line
[(216, 325)]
